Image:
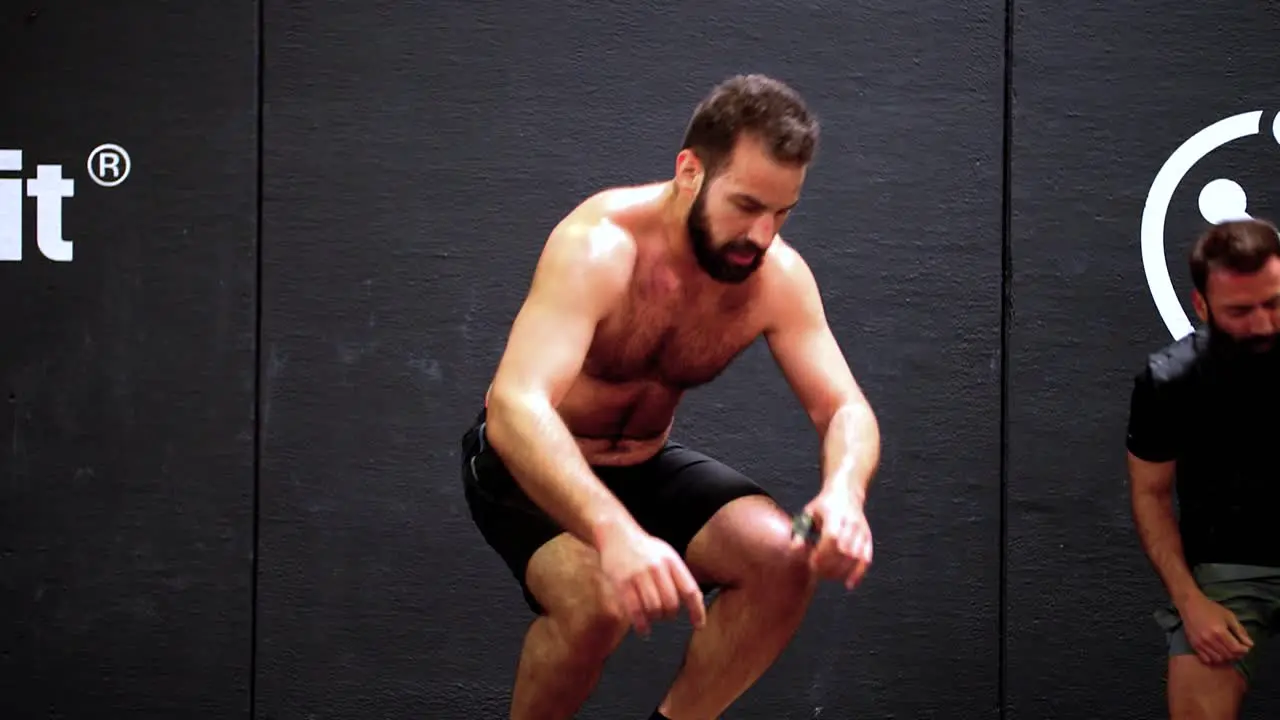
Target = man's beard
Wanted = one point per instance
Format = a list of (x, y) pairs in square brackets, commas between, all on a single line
[(715, 262), (1260, 353)]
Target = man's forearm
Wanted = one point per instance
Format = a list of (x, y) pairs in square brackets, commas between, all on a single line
[(543, 456), (1158, 532), (850, 450)]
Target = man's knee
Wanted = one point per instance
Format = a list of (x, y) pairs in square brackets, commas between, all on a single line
[(751, 547), (782, 567), (566, 578), (592, 624)]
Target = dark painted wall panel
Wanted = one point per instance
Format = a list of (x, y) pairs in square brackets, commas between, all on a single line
[(416, 158), (126, 470), (1104, 94)]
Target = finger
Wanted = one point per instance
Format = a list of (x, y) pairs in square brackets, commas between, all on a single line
[(635, 609), (859, 545), (1228, 641), (863, 554), (649, 597), (1212, 647), (846, 565), (841, 565), (1201, 650), (1232, 641), (692, 594), (1223, 644), (1207, 658), (1238, 630), (859, 572), (848, 545), (853, 573), (825, 561), (827, 557), (1233, 645), (1209, 653), (666, 588), (847, 539), (866, 548), (820, 550)]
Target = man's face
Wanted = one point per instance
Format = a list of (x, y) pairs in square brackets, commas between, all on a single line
[(1245, 307), (737, 213)]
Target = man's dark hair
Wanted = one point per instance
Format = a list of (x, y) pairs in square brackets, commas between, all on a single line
[(758, 105), (1241, 246)]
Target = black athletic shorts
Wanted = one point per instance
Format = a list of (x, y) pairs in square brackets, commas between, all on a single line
[(671, 495)]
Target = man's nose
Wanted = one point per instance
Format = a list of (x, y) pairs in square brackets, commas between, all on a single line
[(1262, 322), (763, 230)]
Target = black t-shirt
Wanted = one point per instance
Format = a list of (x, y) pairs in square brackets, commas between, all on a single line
[(1221, 425)]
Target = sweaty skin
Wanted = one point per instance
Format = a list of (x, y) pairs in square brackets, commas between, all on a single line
[(663, 329), (620, 322)]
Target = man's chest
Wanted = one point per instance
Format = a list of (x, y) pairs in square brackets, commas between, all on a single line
[(1233, 431), (671, 340)]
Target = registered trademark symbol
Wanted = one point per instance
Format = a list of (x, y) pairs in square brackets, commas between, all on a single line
[(109, 165)]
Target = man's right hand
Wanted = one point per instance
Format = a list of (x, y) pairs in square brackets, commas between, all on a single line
[(1214, 631), (649, 579)]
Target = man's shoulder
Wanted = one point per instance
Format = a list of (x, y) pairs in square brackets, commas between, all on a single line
[(610, 218), (1177, 361), (788, 292), (785, 267), (595, 231)]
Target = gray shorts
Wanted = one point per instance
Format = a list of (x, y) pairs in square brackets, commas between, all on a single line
[(1252, 592)]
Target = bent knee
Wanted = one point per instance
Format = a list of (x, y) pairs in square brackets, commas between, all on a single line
[(775, 563), (591, 621)]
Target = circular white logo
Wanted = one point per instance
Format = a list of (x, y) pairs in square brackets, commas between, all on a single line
[(1220, 200), (109, 164)]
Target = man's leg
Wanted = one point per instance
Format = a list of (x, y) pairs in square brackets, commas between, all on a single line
[(734, 537), (1201, 692), (1197, 691), (576, 628), (765, 592), (566, 648)]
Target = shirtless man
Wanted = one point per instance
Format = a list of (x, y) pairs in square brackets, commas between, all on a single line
[(570, 472)]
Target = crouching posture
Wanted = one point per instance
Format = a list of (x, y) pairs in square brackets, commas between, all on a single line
[(571, 470)]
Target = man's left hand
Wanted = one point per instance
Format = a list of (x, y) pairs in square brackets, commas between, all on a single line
[(844, 548)]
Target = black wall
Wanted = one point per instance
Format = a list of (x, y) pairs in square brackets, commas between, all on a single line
[(127, 462), (981, 269), (400, 226), (1102, 96)]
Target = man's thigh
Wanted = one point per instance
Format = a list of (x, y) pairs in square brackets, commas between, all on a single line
[(714, 516), (506, 517), (1252, 594), (1200, 691)]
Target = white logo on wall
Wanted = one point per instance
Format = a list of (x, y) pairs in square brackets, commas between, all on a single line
[(1220, 200), (108, 165)]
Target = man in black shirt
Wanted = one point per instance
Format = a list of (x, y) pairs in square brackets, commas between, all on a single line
[(1205, 421)]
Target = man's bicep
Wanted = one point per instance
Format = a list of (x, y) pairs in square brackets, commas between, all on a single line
[(545, 350), (1147, 476), (574, 284)]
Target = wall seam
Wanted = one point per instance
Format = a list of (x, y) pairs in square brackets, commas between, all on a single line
[(257, 375), (1006, 311)]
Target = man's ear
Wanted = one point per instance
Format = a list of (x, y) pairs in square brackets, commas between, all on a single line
[(1201, 305), (690, 172)]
